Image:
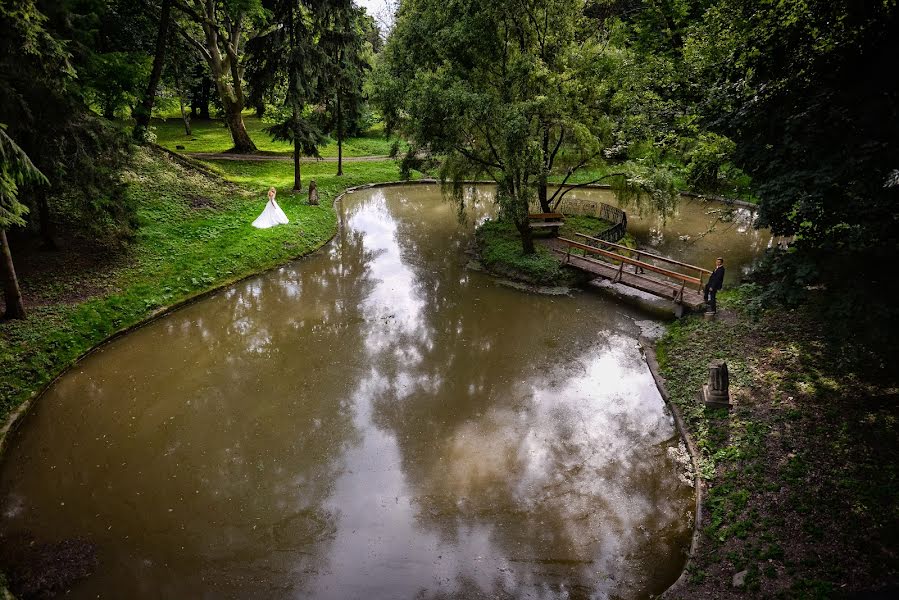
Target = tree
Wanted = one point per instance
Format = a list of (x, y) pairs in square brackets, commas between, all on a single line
[(345, 41), (225, 27), (145, 109), (512, 89), (292, 51), (16, 169), (42, 101), (804, 91)]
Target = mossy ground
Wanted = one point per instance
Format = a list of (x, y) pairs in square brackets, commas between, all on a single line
[(803, 472), (194, 235)]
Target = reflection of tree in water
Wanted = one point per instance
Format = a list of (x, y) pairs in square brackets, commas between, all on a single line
[(215, 449), (486, 399), (286, 336)]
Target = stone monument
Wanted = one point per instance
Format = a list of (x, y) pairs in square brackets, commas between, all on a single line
[(715, 393), (313, 193)]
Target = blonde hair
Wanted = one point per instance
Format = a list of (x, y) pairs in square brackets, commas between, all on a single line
[(271, 189)]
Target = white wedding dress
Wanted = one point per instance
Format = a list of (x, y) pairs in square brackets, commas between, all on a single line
[(271, 216)]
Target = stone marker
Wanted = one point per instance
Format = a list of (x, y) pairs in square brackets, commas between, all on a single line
[(313, 193), (715, 393)]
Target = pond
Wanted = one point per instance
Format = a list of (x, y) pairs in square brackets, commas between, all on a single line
[(373, 421)]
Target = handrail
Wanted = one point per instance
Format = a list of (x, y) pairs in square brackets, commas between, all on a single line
[(630, 261), (655, 256)]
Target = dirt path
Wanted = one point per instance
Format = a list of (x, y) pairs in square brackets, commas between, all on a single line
[(278, 157)]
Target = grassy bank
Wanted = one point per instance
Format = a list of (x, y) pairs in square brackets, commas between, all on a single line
[(195, 235), (802, 473), (211, 135)]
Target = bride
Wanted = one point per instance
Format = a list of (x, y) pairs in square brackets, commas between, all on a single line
[(272, 215)]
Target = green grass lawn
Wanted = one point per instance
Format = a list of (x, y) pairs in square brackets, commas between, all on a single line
[(195, 235), (211, 135)]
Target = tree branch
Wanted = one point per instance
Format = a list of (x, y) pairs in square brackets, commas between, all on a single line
[(476, 159), (580, 185), (552, 156)]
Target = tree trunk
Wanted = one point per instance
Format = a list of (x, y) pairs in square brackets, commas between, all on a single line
[(541, 183), (145, 109), (46, 223), (243, 143), (205, 90), (12, 295), (185, 116), (527, 239), (339, 138), (297, 176), (522, 222)]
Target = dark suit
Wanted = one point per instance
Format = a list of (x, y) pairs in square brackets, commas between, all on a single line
[(715, 283)]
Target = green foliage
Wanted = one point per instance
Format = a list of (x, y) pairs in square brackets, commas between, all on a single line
[(800, 87), (116, 79), (79, 154), (706, 160), (15, 169), (500, 251), (498, 95)]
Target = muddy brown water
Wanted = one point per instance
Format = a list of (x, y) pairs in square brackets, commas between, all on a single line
[(374, 421)]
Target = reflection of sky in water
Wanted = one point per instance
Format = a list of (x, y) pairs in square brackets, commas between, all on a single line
[(374, 421), (546, 477)]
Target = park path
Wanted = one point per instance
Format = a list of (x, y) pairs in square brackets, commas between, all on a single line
[(278, 157)]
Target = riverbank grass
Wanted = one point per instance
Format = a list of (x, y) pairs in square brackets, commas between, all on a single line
[(194, 236), (803, 472)]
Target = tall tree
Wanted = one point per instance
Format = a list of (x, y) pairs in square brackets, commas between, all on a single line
[(503, 88), (220, 29), (804, 90), (344, 40), (42, 101), (145, 108), (291, 52), (16, 169)]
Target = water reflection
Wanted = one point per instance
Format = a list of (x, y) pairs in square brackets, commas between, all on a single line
[(372, 422)]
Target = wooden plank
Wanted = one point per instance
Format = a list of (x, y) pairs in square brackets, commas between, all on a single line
[(655, 256), (546, 216), (631, 261), (545, 224), (662, 289)]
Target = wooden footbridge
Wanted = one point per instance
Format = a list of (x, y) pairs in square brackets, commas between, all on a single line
[(637, 269)]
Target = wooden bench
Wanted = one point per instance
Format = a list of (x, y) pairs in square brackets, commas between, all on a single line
[(547, 220)]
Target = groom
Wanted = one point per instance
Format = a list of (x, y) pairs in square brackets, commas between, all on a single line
[(716, 281)]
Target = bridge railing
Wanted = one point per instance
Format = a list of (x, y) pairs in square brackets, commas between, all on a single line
[(696, 273), (639, 263)]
